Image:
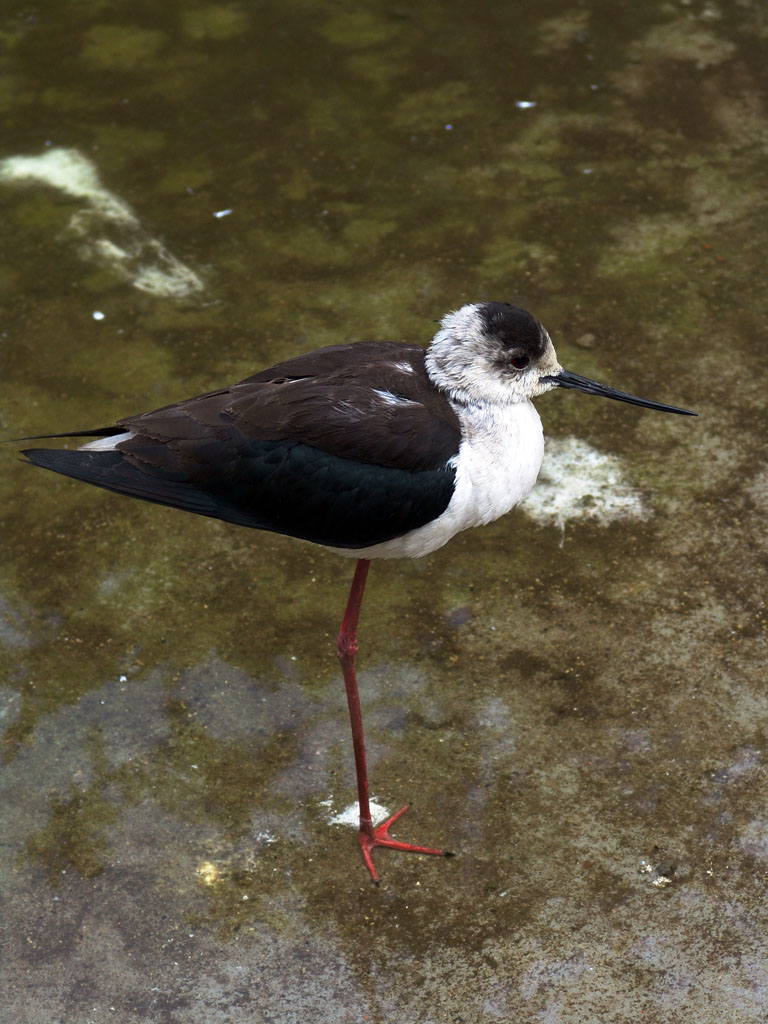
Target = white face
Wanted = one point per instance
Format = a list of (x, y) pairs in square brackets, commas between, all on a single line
[(489, 352)]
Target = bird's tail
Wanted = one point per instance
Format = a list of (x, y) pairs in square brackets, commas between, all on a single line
[(112, 470), (99, 432), (94, 467)]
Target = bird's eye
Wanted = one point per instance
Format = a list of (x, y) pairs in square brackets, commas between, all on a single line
[(520, 362)]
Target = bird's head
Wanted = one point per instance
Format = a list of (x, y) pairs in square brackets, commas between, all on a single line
[(494, 352)]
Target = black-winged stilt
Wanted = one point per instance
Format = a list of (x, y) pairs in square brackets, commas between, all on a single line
[(374, 449)]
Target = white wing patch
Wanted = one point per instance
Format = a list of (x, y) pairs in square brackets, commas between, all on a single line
[(391, 399), (107, 444)]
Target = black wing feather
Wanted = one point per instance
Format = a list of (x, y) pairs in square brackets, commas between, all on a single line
[(348, 446), (281, 487), (114, 472)]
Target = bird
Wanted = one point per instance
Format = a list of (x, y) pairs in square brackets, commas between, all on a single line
[(373, 449)]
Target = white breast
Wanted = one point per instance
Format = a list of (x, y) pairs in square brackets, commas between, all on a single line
[(496, 466)]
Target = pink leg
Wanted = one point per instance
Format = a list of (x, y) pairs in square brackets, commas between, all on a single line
[(347, 649)]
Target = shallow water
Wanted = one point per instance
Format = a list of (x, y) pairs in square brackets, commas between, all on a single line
[(575, 699)]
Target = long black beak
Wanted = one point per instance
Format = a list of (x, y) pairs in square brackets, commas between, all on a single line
[(565, 379)]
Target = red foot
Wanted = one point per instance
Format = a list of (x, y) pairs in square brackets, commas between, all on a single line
[(379, 836)]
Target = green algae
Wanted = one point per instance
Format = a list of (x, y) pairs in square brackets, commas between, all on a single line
[(121, 47), (358, 29), (215, 21)]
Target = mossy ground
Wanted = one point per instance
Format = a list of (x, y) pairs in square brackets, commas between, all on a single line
[(579, 716)]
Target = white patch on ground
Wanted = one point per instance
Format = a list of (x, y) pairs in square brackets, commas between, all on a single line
[(351, 815), (578, 482), (134, 256), (266, 838)]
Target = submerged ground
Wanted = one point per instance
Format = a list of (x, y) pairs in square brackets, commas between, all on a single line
[(574, 699)]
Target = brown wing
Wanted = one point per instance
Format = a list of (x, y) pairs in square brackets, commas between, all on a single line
[(348, 446), (371, 402)]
